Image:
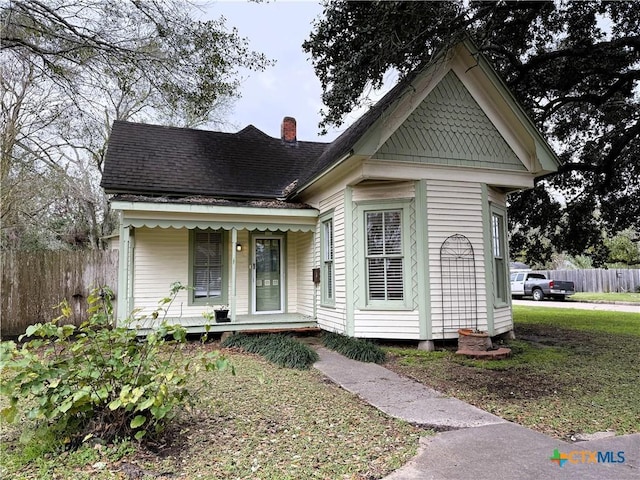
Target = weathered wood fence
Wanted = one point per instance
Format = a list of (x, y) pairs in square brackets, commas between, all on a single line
[(34, 282), (598, 279)]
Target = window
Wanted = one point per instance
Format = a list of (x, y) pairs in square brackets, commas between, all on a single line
[(327, 251), (207, 267), (499, 256), (384, 255)]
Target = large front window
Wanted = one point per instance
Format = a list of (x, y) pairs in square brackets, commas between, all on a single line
[(384, 255), (207, 266)]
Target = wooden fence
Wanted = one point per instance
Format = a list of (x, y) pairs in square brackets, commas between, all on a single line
[(34, 282), (598, 279)]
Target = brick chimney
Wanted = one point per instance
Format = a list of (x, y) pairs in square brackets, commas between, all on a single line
[(288, 130)]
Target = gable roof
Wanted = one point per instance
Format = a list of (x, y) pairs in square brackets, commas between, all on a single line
[(347, 143), (152, 159), (156, 160)]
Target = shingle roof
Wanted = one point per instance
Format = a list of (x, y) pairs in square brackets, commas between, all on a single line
[(155, 160), (152, 159)]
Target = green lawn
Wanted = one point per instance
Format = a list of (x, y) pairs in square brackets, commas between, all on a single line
[(572, 371), (606, 297), (264, 422)]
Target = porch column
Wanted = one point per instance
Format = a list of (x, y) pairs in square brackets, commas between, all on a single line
[(124, 274), (234, 255)]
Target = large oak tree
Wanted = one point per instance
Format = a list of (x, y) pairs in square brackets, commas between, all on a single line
[(574, 66)]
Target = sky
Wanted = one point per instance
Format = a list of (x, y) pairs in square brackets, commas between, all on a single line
[(290, 87)]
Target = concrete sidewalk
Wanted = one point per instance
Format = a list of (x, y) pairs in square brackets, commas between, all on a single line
[(475, 444)]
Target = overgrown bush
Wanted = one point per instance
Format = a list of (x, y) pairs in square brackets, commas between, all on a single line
[(282, 350), (98, 380), (354, 348)]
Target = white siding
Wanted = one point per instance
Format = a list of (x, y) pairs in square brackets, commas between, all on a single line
[(333, 318), (454, 208), (161, 257), (303, 250), (383, 191), (387, 324)]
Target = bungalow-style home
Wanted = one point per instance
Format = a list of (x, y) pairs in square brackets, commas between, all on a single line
[(395, 230)]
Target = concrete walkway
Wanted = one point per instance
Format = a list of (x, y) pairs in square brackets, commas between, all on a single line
[(474, 444)]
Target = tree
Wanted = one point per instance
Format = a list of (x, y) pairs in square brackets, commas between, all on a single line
[(624, 248), (574, 66), (72, 67)]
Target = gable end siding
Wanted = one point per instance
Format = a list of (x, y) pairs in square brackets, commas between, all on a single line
[(450, 128)]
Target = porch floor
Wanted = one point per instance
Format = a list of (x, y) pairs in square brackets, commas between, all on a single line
[(242, 323)]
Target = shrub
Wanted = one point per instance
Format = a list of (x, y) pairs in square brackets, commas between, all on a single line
[(354, 348), (282, 350), (98, 380)]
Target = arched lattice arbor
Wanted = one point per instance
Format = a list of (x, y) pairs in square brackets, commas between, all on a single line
[(459, 284)]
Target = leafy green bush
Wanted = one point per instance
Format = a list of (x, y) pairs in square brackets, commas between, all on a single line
[(282, 350), (98, 380), (354, 348)]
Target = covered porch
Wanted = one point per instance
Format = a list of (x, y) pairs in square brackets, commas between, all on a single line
[(262, 272)]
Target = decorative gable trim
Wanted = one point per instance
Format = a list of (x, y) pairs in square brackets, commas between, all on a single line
[(450, 128)]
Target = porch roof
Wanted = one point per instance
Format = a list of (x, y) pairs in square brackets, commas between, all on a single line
[(215, 214)]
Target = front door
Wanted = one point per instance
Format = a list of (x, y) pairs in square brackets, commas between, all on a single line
[(267, 275)]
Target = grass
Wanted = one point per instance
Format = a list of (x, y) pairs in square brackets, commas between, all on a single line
[(354, 348), (571, 372), (606, 297), (263, 422)]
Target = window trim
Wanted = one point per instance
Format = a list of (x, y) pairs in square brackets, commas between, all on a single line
[(500, 295), (327, 300), (377, 206), (223, 299)]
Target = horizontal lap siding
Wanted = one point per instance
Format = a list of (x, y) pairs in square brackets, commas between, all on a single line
[(333, 318), (303, 278), (383, 191), (161, 257), (502, 320), (454, 208), (387, 324)]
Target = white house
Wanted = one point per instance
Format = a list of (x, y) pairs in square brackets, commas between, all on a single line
[(395, 230)]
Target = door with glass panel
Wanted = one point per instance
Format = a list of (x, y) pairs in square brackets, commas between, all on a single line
[(267, 275)]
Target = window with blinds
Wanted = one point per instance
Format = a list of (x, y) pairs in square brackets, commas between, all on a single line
[(384, 256), (207, 265), (327, 250)]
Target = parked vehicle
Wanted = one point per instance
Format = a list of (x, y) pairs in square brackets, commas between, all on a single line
[(536, 285)]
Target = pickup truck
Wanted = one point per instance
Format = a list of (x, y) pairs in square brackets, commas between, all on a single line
[(538, 286)]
